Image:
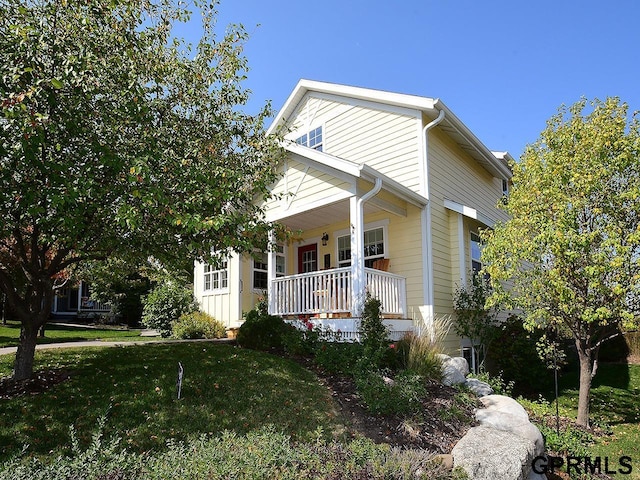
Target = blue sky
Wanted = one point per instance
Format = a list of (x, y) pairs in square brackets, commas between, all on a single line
[(502, 66)]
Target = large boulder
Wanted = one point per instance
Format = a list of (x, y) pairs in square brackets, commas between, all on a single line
[(489, 454), (454, 370), (503, 445)]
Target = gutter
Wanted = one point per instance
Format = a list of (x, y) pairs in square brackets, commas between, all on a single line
[(357, 245), (427, 242)]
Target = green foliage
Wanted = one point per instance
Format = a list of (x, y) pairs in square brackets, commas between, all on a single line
[(119, 138), (264, 453), (515, 358), (374, 335), (198, 325), (261, 331), (165, 304), (474, 319), (419, 353), (335, 357), (399, 395), (570, 253)]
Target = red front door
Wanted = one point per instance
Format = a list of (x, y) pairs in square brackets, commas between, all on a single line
[(308, 258)]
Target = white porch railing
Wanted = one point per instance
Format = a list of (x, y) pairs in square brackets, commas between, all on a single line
[(329, 292)]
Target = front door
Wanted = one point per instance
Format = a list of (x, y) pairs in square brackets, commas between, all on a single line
[(308, 258)]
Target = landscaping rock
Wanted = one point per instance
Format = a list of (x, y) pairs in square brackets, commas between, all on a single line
[(454, 370), (489, 454), (480, 388), (504, 444)]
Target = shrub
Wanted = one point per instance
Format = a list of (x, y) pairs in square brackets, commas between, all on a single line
[(373, 335), (198, 325), (165, 304), (261, 331), (514, 357), (422, 357), (384, 395), (334, 357)]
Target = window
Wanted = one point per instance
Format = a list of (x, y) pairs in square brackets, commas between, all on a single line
[(476, 251), (260, 268), (216, 279), (373, 247), (313, 139)]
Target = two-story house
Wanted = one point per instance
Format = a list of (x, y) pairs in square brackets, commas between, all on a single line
[(387, 192)]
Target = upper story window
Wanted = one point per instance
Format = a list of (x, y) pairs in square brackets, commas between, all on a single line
[(216, 279), (313, 139), (260, 268), (476, 252), (505, 188), (373, 247)]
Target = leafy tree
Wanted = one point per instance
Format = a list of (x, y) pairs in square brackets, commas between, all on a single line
[(474, 319), (571, 250), (117, 138)]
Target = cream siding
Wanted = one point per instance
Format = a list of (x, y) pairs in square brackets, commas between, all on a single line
[(222, 304)]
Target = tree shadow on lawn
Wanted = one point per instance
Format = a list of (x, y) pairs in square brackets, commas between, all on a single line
[(224, 388), (614, 393)]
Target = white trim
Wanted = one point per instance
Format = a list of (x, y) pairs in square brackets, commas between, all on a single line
[(219, 290), (469, 212), (462, 251), (384, 224)]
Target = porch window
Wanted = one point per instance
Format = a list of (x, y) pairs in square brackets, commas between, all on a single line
[(215, 279), (373, 248), (476, 251), (260, 266), (313, 139)]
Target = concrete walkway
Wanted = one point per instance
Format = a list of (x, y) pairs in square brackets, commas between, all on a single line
[(98, 343)]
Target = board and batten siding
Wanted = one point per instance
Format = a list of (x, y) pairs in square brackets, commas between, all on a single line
[(223, 304)]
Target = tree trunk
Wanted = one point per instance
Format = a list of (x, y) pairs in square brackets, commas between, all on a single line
[(23, 365), (585, 386)]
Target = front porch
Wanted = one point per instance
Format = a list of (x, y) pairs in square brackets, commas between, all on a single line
[(329, 294)]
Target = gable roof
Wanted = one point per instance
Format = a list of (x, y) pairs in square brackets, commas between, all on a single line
[(496, 163), (355, 171)]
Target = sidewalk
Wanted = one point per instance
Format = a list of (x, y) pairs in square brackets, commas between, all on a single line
[(98, 343)]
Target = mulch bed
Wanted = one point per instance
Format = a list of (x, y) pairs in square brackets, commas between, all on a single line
[(41, 381)]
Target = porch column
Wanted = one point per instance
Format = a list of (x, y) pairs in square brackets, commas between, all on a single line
[(356, 214), (271, 271)]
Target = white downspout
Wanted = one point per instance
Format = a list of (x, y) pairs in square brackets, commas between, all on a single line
[(357, 249), (428, 315)]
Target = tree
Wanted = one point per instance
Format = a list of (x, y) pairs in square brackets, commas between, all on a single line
[(117, 138), (570, 252)]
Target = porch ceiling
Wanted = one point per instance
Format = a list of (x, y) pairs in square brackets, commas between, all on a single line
[(324, 216)]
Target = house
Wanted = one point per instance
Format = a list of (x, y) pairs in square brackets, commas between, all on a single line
[(74, 301), (387, 192)]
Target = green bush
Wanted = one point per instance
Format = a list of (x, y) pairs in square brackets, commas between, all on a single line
[(384, 395), (334, 357), (514, 357), (198, 325), (261, 454), (374, 336), (261, 331), (165, 304), (419, 353)]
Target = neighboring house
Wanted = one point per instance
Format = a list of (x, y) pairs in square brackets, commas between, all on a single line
[(75, 301), (387, 192)]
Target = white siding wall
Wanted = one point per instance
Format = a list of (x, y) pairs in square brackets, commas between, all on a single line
[(224, 305)]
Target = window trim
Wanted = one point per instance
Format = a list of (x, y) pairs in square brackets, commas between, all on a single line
[(383, 224), (471, 253), (282, 254), (212, 275), (305, 138)]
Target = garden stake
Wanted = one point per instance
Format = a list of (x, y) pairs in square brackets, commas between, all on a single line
[(179, 382)]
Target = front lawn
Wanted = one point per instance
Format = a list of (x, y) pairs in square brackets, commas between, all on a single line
[(224, 388), (10, 333)]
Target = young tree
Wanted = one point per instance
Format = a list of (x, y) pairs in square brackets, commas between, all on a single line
[(571, 250), (116, 138)]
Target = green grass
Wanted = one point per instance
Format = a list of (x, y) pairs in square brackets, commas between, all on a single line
[(10, 333), (615, 406), (224, 388)]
